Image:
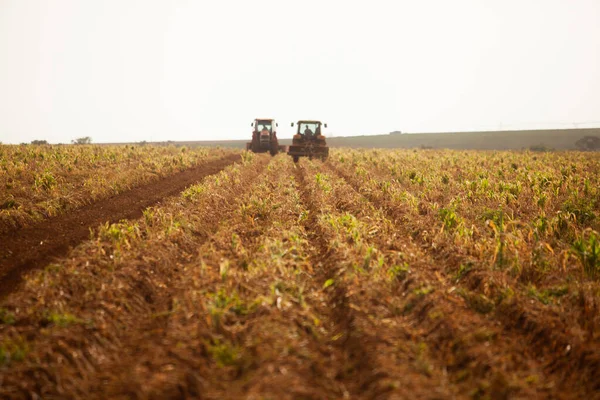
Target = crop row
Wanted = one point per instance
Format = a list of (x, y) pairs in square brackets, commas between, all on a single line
[(540, 283), (73, 320), (41, 181), (376, 274), (456, 347)]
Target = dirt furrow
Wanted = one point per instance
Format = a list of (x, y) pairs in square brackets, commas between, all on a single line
[(563, 338), (149, 365), (80, 320), (245, 329), (288, 337), (377, 357), (510, 361), (208, 323), (34, 247), (357, 365)]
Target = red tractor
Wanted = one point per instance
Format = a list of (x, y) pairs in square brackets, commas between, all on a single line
[(264, 137)]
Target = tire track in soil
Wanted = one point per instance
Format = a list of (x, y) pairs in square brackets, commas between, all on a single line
[(517, 330), (262, 377), (152, 332), (308, 370), (570, 354), (372, 366), (36, 246), (153, 289), (358, 364)]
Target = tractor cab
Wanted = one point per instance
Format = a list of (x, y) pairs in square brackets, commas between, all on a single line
[(309, 129), (264, 127)]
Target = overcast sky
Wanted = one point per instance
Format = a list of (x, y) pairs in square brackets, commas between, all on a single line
[(129, 70)]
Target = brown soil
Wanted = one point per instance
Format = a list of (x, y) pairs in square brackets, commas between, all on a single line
[(529, 342), (34, 247), (275, 280), (370, 365)]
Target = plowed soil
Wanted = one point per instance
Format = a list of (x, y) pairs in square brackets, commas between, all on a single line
[(276, 280), (33, 247)]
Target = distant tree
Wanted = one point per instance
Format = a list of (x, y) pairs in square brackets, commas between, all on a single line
[(588, 143), (39, 142), (82, 140)]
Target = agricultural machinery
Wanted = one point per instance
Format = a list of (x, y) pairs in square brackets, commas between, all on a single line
[(264, 137), (309, 141)]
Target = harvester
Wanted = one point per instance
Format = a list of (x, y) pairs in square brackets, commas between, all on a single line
[(309, 141), (264, 137)]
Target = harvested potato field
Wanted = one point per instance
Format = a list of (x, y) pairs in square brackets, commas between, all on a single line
[(374, 274)]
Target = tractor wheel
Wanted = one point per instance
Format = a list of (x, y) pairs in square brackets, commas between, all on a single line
[(296, 158)]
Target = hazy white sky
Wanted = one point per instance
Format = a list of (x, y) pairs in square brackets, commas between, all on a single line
[(131, 70)]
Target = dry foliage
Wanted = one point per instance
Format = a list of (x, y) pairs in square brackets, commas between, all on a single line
[(42, 181), (376, 274)]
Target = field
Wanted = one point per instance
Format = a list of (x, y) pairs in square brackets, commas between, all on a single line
[(375, 274), (540, 140), (42, 181)]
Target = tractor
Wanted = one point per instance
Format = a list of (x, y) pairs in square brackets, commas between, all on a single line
[(308, 141), (264, 137)]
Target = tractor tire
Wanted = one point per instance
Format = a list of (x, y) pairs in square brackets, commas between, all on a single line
[(296, 159)]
